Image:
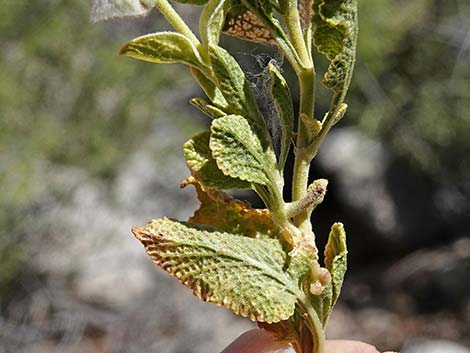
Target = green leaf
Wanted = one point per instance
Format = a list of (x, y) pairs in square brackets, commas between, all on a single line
[(263, 9), (164, 48), (210, 110), (211, 21), (238, 150), (245, 275), (336, 263), (235, 88), (283, 101), (335, 36), (221, 211), (210, 89), (204, 167)]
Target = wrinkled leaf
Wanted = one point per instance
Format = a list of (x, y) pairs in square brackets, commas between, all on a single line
[(235, 88), (244, 24), (336, 263), (211, 21), (210, 89), (282, 99), (221, 211), (335, 36), (263, 9), (238, 150), (163, 47), (210, 110), (204, 167), (243, 274)]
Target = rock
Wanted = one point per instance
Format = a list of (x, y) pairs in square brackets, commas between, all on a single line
[(433, 279), (434, 346)]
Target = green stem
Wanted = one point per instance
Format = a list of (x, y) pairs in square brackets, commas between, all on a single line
[(292, 21), (176, 21), (327, 124), (302, 160), (316, 328)]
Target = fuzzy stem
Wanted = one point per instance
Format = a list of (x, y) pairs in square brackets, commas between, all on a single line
[(302, 160), (176, 21)]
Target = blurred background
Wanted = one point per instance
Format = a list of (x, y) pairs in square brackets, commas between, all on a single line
[(90, 144)]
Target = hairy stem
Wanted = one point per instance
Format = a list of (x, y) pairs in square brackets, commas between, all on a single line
[(292, 20), (176, 21), (302, 160)]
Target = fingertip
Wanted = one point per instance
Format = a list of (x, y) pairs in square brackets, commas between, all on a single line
[(258, 341), (344, 346)]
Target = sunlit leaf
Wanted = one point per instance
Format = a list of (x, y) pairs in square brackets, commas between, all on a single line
[(220, 210), (336, 263), (211, 21), (335, 36), (236, 89), (245, 275), (238, 150), (204, 167), (163, 47), (210, 89), (283, 100), (206, 108)]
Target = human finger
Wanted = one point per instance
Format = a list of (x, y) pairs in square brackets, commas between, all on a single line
[(261, 341)]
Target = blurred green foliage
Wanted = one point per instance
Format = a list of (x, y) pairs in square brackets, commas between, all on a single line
[(66, 98), (412, 83)]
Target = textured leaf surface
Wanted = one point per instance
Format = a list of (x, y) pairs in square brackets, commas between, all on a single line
[(335, 36), (236, 89), (211, 21), (163, 47), (336, 258), (243, 274), (221, 211), (264, 11), (204, 167), (238, 150), (282, 99), (209, 88), (206, 108), (336, 263), (244, 24)]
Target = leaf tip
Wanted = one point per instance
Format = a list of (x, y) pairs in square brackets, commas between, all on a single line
[(124, 49), (140, 233)]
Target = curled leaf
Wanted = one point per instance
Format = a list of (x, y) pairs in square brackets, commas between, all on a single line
[(243, 274), (211, 21), (164, 48), (335, 263), (335, 36), (206, 108), (225, 213), (246, 25), (209, 88), (238, 150), (204, 167), (282, 99), (236, 89)]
